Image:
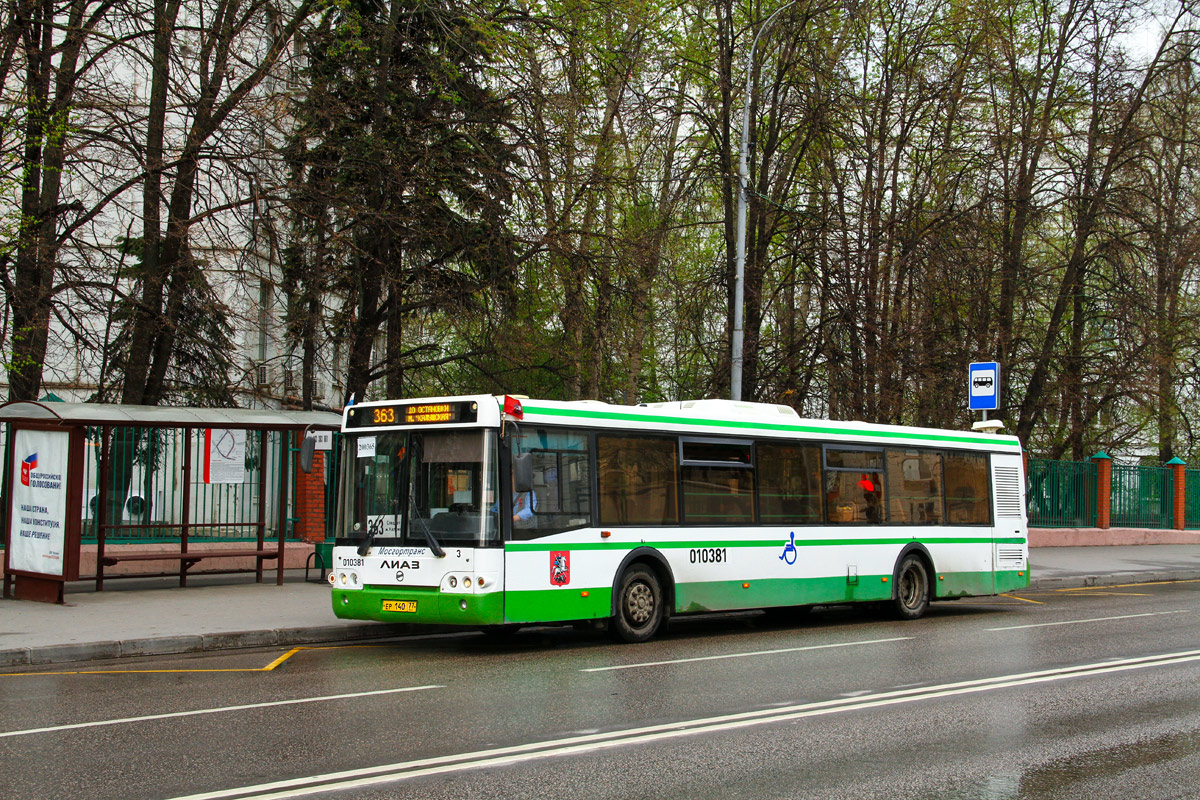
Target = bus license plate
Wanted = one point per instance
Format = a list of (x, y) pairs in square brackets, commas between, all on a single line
[(408, 606)]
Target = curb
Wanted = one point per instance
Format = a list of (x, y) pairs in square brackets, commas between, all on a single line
[(236, 640), (1113, 579), (194, 643)]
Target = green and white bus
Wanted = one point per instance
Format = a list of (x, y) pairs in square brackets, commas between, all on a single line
[(497, 512)]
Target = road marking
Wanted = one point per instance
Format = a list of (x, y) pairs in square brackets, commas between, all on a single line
[(1023, 599), (1082, 621), (743, 655), (267, 668), (218, 710), (588, 743), (1124, 585)]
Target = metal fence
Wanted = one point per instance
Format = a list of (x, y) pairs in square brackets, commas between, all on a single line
[(1142, 497), (151, 506), (332, 463), (1061, 494), (1191, 501), (152, 485)]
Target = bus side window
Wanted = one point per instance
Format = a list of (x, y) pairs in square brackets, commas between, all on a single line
[(789, 483), (561, 481), (638, 479), (914, 487), (968, 499), (854, 490)]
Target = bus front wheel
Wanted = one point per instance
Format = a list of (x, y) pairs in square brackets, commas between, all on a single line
[(639, 605), (912, 588)]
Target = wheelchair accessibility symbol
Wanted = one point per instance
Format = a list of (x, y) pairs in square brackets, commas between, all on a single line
[(789, 551)]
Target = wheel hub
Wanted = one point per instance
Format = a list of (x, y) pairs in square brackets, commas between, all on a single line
[(639, 603)]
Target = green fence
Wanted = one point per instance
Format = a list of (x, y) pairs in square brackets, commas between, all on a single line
[(155, 473), (332, 465), (1061, 494), (1191, 501), (1142, 497), (149, 464)]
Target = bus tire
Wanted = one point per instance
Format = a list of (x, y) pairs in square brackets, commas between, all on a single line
[(911, 595), (639, 609)]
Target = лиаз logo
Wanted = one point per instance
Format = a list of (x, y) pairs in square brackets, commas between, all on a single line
[(27, 467)]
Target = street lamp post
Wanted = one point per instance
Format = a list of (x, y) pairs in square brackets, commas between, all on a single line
[(739, 284)]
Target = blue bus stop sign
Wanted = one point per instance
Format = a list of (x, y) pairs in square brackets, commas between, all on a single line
[(983, 384)]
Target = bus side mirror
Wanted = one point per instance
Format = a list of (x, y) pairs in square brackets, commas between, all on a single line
[(522, 473), (307, 448)]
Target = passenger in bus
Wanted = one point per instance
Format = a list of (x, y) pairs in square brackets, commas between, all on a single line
[(874, 508), (871, 494), (524, 504)]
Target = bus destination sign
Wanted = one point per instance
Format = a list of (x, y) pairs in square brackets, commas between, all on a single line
[(412, 414)]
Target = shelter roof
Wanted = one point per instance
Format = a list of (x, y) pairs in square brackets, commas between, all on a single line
[(68, 414)]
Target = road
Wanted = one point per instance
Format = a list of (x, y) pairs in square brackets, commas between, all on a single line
[(1057, 694)]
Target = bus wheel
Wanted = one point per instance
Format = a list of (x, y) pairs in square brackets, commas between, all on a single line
[(639, 605), (912, 588)]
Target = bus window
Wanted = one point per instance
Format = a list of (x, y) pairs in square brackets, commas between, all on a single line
[(854, 487), (968, 499), (914, 486), (637, 477), (562, 481), (789, 483), (718, 496)]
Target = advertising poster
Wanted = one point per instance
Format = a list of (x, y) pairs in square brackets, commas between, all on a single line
[(39, 502), (224, 455)]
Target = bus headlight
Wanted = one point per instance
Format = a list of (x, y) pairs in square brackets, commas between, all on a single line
[(453, 582)]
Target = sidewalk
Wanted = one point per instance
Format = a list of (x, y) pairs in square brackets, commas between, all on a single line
[(148, 617)]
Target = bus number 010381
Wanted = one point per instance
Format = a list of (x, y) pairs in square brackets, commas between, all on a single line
[(709, 555)]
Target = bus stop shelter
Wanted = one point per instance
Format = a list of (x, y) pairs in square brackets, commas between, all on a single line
[(200, 483)]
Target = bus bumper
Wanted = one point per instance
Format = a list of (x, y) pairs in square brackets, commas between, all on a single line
[(432, 607)]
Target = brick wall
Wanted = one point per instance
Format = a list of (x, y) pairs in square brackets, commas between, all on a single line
[(310, 501)]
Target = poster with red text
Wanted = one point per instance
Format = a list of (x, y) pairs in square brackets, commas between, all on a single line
[(39, 502)]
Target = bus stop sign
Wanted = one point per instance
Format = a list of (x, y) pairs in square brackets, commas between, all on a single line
[(983, 383)]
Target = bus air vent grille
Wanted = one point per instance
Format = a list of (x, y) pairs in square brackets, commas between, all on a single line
[(1008, 492), (1009, 558)]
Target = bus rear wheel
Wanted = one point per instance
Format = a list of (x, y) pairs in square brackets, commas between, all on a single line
[(639, 611), (912, 588)]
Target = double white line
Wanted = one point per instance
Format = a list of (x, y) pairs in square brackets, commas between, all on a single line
[(369, 776)]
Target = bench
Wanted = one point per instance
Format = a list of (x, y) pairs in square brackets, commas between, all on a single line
[(189, 558), (186, 560)]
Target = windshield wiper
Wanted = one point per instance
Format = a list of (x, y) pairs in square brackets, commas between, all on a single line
[(410, 506), (369, 535), (434, 545)]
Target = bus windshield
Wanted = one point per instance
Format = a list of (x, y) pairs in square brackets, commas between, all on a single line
[(423, 488)]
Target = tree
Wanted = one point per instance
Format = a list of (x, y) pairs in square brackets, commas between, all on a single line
[(401, 141)]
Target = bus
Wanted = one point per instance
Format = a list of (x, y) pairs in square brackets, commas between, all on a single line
[(498, 512)]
